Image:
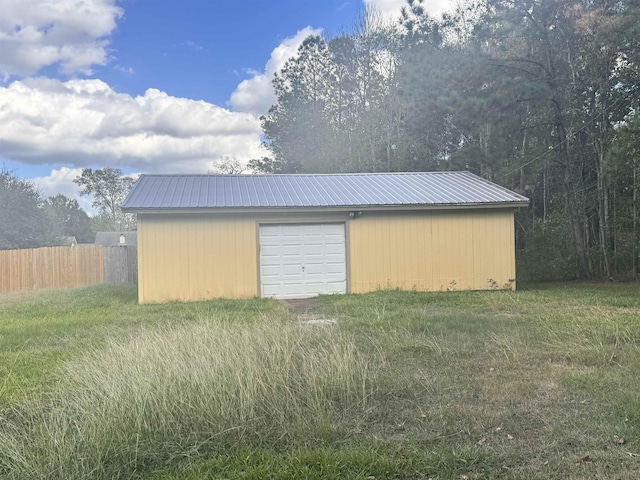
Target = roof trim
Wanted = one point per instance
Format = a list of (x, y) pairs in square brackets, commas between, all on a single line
[(368, 208)]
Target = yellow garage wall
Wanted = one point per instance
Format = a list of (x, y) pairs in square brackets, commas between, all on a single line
[(432, 251), (201, 256), (195, 257)]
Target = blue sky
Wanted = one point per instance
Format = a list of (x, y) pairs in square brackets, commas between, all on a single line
[(148, 86), (205, 49)]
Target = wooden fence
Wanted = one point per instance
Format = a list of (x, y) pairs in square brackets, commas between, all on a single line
[(66, 267), (121, 264)]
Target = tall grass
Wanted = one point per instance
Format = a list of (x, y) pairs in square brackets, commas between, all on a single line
[(174, 391)]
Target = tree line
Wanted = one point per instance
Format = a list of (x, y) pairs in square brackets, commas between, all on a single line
[(28, 220), (541, 96)]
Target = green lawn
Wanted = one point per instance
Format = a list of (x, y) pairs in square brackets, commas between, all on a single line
[(539, 383)]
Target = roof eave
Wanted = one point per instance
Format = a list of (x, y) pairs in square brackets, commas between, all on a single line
[(314, 209)]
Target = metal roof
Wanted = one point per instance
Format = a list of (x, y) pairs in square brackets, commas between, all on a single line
[(358, 190)]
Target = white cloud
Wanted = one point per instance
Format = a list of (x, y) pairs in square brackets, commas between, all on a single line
[(125, 70), (61, 181), (71, 33), (83, 123), (255, 95), (390, 9), (191, 45)]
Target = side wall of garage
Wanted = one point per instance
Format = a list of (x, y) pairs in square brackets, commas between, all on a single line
[(433, 250)]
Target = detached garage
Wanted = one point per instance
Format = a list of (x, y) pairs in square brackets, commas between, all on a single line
[(297, 236)]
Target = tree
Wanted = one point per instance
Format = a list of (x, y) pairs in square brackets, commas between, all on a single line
[(265, 165), (109, 187), (295, 129), (624, 170), (335, 111), (68, 219), (23, 223), (538, 95), (228, 166), (574, 51)]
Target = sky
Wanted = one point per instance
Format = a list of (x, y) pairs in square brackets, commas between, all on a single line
[(148, 86)]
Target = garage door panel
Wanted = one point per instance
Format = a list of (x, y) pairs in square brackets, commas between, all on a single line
[(336, 269), (290, 250), (291, 270), (286, 249), (326, 287), (333, 237), (270, 250), (314, 270), (314, 286), (271, 270), (324, 269), (269, 233), (295, 290), (287, 230)]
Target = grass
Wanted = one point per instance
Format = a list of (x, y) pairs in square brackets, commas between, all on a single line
[(39, 331), (540, 383), (185, 388)]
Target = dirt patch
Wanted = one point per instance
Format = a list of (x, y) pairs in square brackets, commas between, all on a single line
[(300, 305), (303, 310)]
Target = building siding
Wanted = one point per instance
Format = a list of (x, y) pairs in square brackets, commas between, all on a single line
[(196, 257), (201, 256), (432, 251)]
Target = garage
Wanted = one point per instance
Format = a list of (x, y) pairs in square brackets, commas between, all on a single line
[(302, 260), (302, 235)]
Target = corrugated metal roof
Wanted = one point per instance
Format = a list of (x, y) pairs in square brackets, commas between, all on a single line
[(308, 191)]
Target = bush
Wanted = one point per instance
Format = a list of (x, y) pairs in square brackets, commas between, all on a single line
[(174, 391)]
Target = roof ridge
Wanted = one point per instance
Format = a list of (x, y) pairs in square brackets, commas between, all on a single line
[(246, 175)]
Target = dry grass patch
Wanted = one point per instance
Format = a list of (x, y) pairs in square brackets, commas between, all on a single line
[(177, 391)]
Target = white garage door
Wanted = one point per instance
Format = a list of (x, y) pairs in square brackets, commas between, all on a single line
[(302, 261)]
